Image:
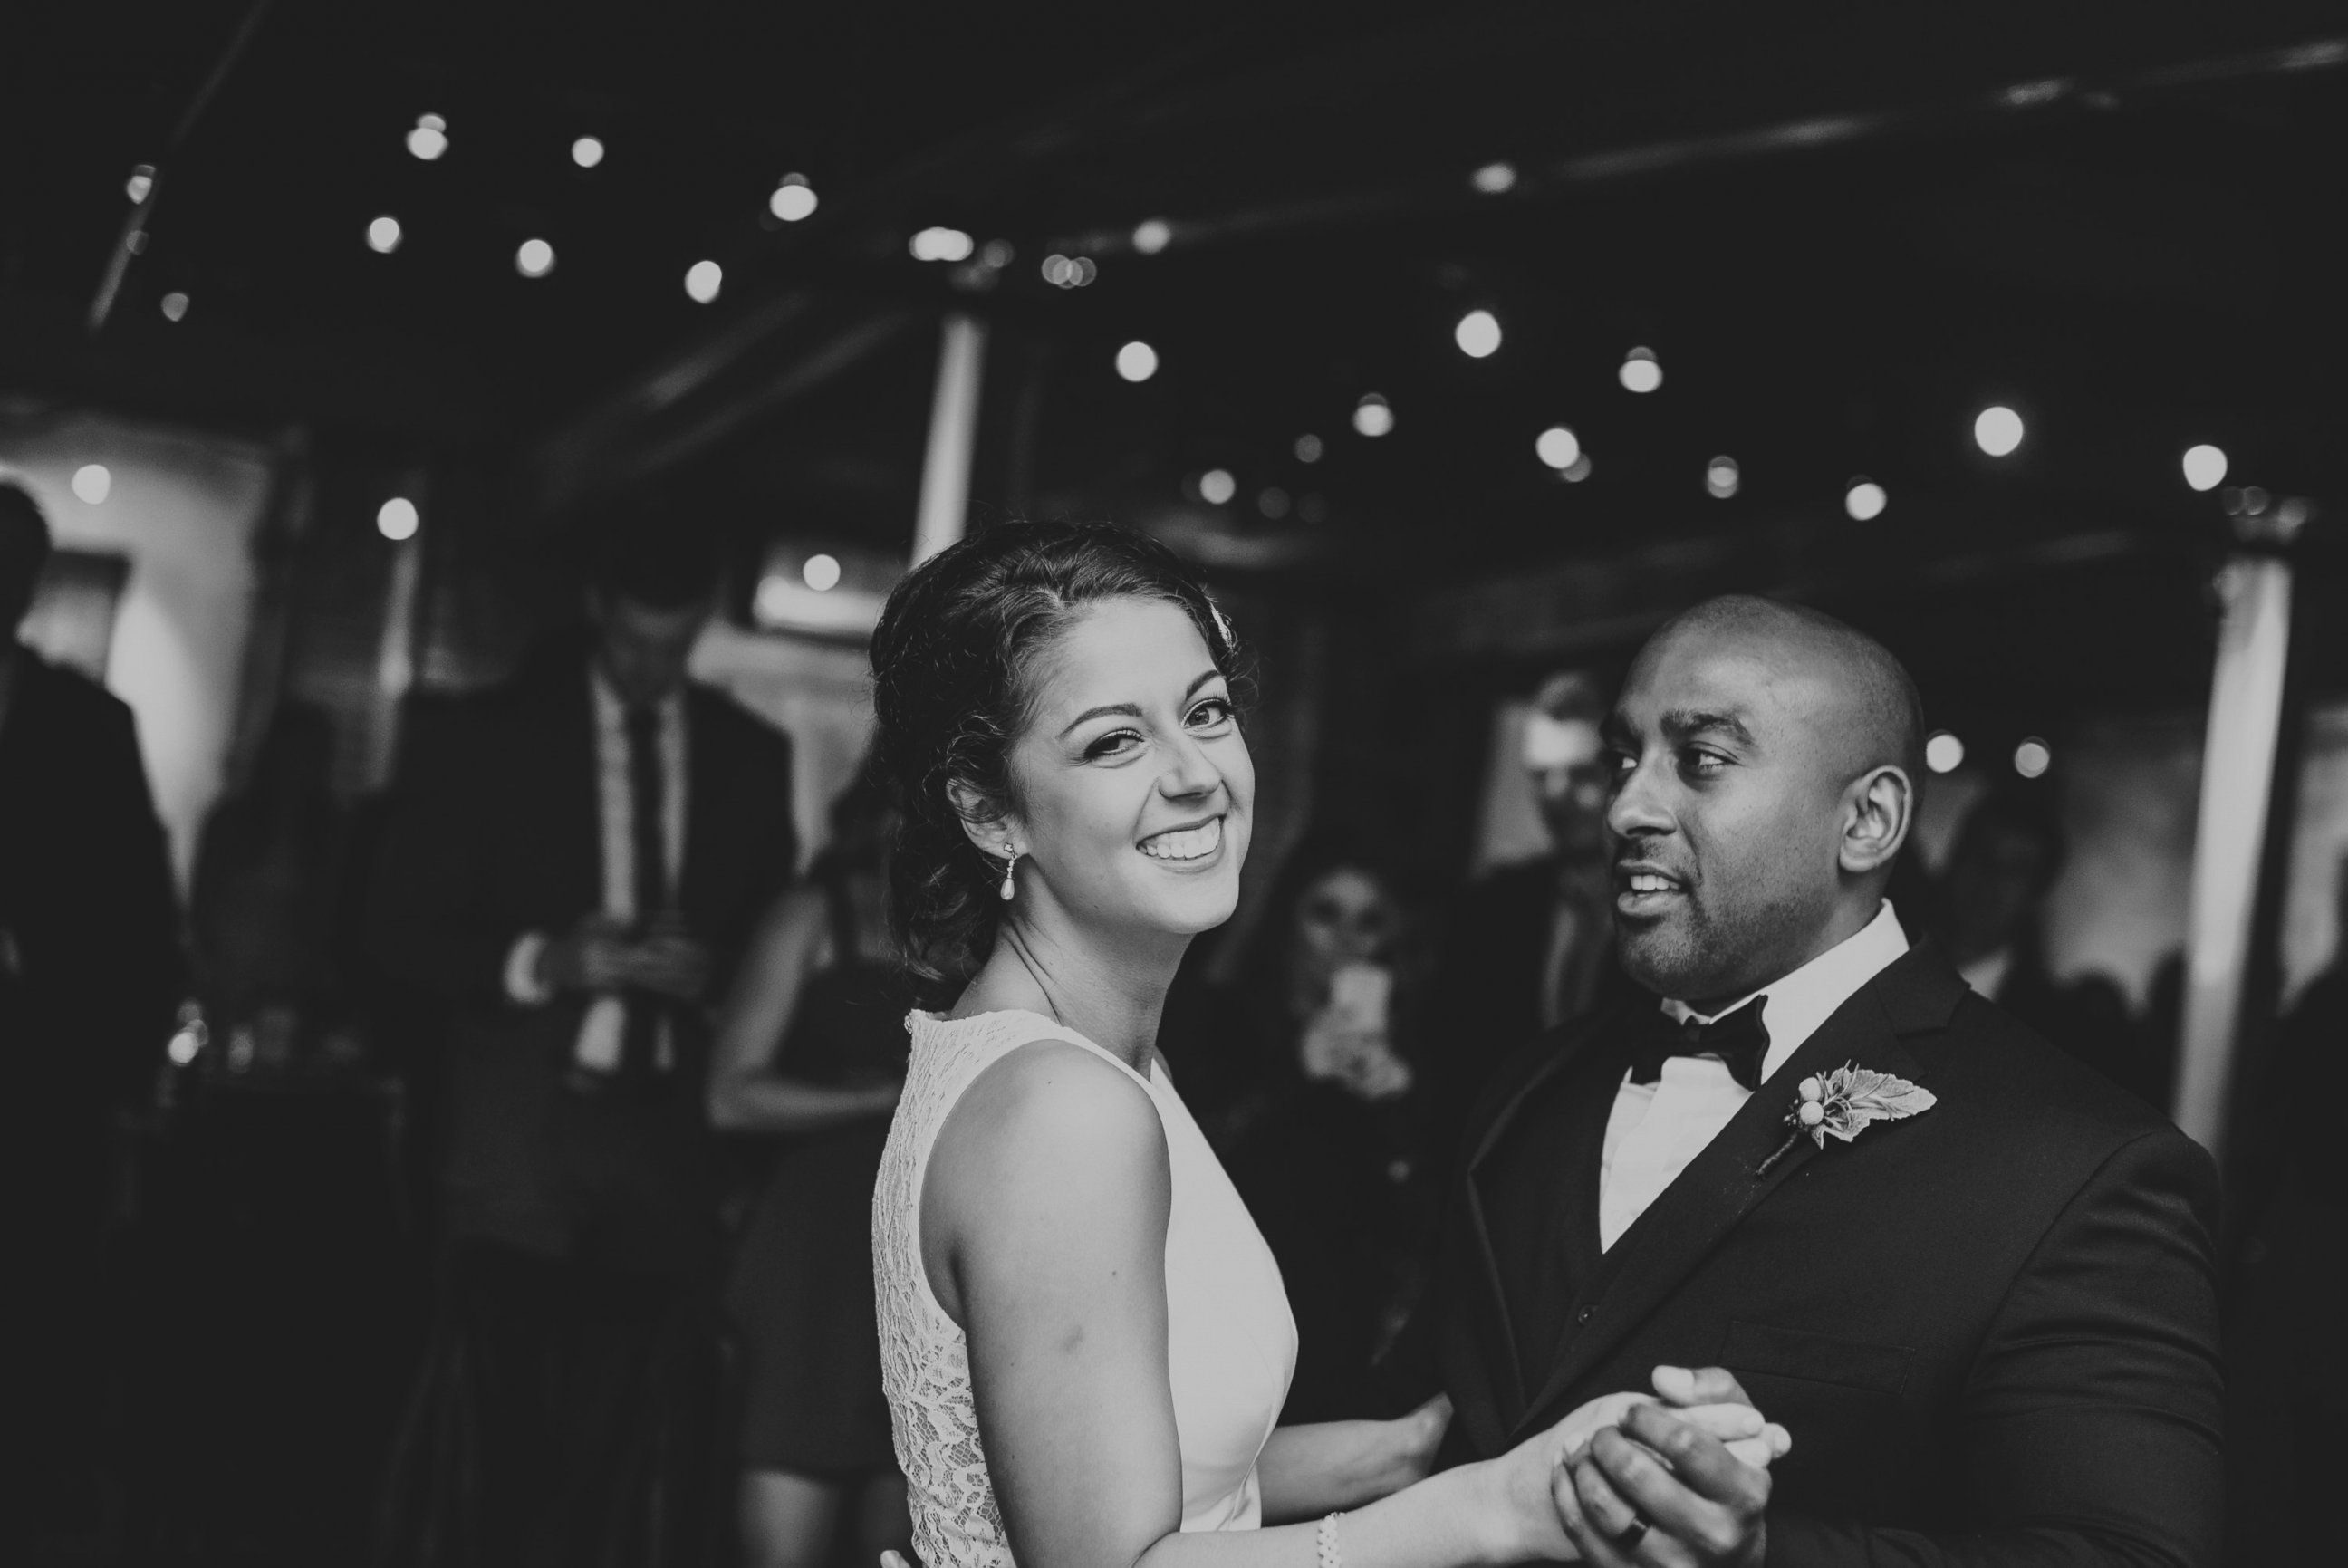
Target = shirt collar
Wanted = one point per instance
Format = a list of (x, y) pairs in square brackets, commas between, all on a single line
[(611, 712), (1801, 1001)]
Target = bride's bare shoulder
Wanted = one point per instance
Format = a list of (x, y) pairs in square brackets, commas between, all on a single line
[(1052, 1110)]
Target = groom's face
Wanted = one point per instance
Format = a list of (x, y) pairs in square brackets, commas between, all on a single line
[(1725, 812)]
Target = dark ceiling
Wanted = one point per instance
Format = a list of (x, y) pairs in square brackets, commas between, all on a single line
[(1842, 227)]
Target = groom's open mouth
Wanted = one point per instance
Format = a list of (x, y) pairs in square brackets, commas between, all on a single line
[(1644, 889), (1185, 845)]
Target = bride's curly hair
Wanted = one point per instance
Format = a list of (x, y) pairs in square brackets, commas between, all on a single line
[(952, 663)]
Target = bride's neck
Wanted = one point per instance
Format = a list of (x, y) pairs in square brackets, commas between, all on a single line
[(1112, 993)]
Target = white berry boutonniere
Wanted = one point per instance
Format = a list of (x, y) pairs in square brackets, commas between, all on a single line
[(1844, 1102)]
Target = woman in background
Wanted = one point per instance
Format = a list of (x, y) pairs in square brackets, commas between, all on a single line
[(812, 1047), (1317, 1107)]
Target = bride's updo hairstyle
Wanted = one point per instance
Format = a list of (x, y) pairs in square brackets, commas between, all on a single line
[(953, 664)]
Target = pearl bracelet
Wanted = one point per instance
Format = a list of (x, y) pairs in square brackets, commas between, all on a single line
[(1326, 1542)]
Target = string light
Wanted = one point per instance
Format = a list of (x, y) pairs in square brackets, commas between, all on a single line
[(1997, 430), (1152, 235), (429, 140), (587, 151), (397, 519), (92, 483), (142, 180), (1557, 447), (1216, 485), (1944, 753), (820, 572), (1477, 333), (1865, 499), (1641, 372), (703, 280), (384, 235), (1721, 477), (939, 243), (1272, 502), (2205, 467), (2032, 757), (1137, 361), (793, 199), (534, 258), (1308, 449), (1373, 417), (1495, 178), (175, 305)]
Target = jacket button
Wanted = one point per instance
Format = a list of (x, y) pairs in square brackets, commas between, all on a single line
[(1585, 1314)]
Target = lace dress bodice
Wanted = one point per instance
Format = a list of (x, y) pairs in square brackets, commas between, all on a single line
[(1231, 1342)]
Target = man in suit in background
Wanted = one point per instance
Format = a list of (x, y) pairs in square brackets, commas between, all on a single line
[(92, 969), (1988, 1316), (1531, 945), (570, 869)]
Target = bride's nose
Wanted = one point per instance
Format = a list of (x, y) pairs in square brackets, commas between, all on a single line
[(1189, 772)]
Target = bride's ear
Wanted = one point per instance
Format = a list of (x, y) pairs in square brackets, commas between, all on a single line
[(987, 821)]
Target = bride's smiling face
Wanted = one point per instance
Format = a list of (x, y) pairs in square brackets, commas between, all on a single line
[(1133, 791)]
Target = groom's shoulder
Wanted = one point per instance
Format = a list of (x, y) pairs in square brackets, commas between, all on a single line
[(2017, 1087)]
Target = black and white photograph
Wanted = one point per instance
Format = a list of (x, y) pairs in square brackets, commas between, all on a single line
[(1274, 785)]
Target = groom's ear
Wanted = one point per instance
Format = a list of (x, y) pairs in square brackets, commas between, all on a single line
[(1877, 812)]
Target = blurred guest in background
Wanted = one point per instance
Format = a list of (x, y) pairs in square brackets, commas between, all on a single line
[(267, 899), (811, 1046), (2287, 1385), (90, 972), (580, 859), (1533, 944), (1304, 1073), (1991, 899)]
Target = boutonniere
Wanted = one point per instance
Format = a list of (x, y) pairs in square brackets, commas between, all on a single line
[(1844, 1102)]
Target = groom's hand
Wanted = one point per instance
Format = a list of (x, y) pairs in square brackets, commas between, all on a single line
[(1656, 1490)]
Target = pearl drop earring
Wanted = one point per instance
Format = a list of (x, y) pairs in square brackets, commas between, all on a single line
[(1011, 859)]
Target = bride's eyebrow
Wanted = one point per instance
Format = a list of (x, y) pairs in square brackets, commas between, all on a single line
[(1120, 709), (1130, 710)]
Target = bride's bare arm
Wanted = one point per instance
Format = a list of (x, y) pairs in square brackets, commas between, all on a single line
[(1044, 1217), (1309, 1471)]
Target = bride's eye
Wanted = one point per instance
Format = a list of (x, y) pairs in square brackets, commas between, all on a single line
[(1212, 712), (1114, 743)]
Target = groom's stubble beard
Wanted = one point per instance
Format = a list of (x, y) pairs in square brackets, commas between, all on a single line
[(1713, 950)]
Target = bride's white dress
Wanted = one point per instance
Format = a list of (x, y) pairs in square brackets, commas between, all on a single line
[(1231, 1340)]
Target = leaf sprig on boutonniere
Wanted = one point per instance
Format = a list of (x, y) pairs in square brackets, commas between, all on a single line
[(1844, 1102)]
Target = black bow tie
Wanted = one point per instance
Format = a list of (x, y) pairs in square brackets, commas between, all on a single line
[(1738, 1038)]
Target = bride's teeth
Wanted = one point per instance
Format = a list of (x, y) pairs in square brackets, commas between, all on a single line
[(1191, 844)]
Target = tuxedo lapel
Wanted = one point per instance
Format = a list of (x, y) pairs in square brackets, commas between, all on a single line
[(1498, 1366), (1723, 1184)]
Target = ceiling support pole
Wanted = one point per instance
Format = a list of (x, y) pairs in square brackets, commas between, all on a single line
[(2238, 766), (953, 431)]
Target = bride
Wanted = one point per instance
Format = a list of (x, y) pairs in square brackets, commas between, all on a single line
[(1085, 1342)]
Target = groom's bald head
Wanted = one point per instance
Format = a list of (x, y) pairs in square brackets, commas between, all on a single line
[(1767, 758), (1864, 706)]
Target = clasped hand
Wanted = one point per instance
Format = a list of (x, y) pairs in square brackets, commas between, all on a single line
[(602, 953), (1671, 1482)]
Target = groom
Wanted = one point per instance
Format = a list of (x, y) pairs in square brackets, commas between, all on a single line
[(1988, 1315)]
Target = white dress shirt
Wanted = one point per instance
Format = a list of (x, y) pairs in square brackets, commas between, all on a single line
[(1657, 1129), (602, 1030)]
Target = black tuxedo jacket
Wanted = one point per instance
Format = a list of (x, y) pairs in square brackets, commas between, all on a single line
[(496, 831), (1991, 1328)]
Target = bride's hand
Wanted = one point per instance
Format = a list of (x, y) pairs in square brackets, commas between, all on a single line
[(1524, 1510)]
